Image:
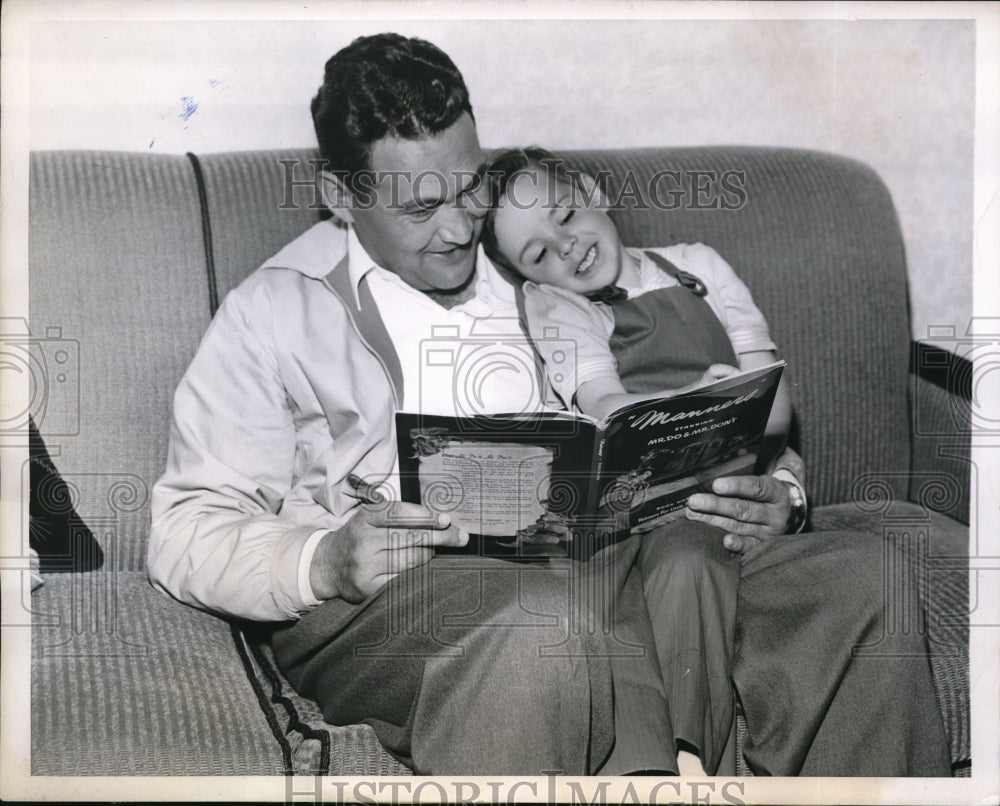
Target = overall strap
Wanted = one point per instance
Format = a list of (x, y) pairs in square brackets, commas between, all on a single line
[(686, 279), (367, 322), (522, 323), (668, 337)]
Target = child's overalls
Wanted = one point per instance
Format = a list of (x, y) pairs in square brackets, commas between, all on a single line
[(668, 337), (664, 339)]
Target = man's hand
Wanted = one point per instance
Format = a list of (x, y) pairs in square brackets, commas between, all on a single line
[(749, 508), (375, 545)]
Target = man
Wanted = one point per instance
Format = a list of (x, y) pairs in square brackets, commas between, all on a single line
[(284, 421)]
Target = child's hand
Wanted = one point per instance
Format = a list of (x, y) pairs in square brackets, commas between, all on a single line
[(717, 372)]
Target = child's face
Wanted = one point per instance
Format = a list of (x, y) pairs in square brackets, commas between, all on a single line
[(572, 244)]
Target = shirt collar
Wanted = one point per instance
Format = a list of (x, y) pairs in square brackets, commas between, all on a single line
[(359, 262), (490, 284)]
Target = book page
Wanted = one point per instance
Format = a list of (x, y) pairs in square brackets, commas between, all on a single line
[(488, 488)]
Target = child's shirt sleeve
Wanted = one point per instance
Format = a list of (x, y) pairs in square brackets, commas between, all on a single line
[(729, 298), (571, 334)]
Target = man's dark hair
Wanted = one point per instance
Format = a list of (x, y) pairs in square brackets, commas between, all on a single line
[(379, 86), (497, 174)]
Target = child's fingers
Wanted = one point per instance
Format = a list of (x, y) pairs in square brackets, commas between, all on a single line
[(719, 371)]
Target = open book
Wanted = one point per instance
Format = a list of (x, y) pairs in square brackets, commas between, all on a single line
[(564, 484)]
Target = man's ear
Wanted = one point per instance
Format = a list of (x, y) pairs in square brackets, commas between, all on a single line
[(592, 193), (336, 196)]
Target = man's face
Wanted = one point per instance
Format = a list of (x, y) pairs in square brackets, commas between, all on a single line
[(420, 220)]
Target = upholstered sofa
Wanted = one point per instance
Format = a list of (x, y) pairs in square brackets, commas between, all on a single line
[(130, 255)]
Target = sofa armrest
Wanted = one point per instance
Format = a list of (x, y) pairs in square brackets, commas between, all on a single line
[(941, 430)]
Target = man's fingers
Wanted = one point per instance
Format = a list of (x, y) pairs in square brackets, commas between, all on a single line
[(395, 562), (728, 524), (400, 515), (756, 488), (408, 525), (450, 537), (736, 509), (385, 566), (403, 538), (733, 543), (740, 544)]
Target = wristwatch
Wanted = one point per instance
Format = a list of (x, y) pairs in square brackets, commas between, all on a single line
[(797, 513)]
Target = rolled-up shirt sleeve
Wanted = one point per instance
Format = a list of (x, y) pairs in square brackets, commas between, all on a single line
[(217, 539), (571, 335), (730, 298)]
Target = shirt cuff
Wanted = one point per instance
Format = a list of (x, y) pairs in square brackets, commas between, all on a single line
[(751, 341), (784, 474), (309, 599)]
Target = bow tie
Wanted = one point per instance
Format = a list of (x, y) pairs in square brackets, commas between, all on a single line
[(609, 294)]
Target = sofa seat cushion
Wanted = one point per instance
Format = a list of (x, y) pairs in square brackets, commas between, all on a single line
[(939, 546), (315, 746), (126, 681)]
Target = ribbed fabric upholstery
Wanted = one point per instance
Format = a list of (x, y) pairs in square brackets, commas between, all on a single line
[(163, 694), (246, 192), (117, 262), (941, 449)]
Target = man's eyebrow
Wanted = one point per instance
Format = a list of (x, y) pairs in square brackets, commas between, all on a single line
[(471, 180), (476, 177)]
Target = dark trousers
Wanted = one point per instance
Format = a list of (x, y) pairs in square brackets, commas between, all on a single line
[(829, 685), (676, 590), (488, 667), (471, 666)]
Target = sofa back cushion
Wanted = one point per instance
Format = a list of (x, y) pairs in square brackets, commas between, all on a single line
[(256, 202), (130, 253), (813, 235), (118, 273)]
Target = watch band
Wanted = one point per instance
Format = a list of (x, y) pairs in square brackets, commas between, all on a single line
[(797, 513)]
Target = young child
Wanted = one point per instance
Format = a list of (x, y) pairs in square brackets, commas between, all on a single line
[(646, 323)]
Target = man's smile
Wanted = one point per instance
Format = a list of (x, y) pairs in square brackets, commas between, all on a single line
[(453, 254)]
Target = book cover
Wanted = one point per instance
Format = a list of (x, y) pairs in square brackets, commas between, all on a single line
[(562, 484)]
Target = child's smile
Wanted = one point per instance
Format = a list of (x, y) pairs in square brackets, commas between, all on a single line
[(588, 260)]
